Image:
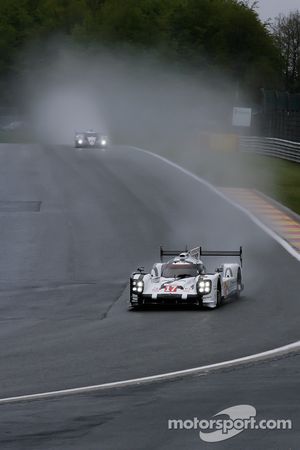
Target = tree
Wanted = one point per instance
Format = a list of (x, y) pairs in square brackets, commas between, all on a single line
[(215, 36), (16, 26), (286, 32), (226, 35), (138, 23)]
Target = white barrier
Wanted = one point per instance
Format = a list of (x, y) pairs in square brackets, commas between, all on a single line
[(277, 148)]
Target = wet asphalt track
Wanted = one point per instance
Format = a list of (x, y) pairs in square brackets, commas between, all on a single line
[(63, 301)]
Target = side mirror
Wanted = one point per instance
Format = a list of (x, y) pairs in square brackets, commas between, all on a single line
[(141, 269)]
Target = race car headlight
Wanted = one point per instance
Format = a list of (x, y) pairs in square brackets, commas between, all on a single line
[(137, 286), (204, 286), (80, 141), (103, 141)]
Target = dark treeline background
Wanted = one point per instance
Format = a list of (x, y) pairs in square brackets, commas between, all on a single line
[(224, 36)]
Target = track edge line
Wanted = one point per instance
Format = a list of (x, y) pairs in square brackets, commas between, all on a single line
[(280, 351), (251, 216)]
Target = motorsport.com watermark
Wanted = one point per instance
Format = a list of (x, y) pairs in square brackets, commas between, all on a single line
[(239, 418)]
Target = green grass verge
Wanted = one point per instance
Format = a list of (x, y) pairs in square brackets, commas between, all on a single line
[(288, 183), (274, 177), (15, 136)]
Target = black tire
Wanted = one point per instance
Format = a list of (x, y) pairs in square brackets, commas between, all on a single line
[(199, 304), (135, 307), (219, 298), (239, 285)]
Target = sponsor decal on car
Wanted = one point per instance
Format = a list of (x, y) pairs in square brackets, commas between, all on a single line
[(169, 288)]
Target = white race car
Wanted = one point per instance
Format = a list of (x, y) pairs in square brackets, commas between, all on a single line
[(184, 280), (90, 139)]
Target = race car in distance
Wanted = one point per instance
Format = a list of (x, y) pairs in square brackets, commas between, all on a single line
[(90, 138), (184, 280)]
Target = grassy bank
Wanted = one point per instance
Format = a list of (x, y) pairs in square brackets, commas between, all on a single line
[(276, 178), (18, 136), (287, 175)]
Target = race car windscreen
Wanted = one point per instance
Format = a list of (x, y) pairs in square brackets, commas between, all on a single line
[(93, 135), (179, 270)]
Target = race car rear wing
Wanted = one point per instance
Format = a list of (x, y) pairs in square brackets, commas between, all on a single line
[(198, 252), (164, 253), (238, 253)]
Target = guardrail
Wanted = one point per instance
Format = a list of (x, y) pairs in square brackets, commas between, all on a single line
[(277, 148)]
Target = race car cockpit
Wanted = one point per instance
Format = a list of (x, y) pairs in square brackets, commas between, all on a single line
[(182, 270)]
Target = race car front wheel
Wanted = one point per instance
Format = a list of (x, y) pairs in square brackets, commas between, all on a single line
[(135, 307), (219, 298)]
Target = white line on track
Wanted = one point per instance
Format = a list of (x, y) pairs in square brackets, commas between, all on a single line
[(251, 216), (155, 378), (181, 373)]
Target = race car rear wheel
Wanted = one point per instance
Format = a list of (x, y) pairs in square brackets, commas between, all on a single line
[(239, 284)]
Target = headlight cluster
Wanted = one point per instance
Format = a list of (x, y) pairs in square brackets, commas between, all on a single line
[(103, 142), (80, 141), (137, 286), (204, 286)]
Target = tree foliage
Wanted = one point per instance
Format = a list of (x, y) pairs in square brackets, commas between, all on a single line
[(210, 34), (286, 32)]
